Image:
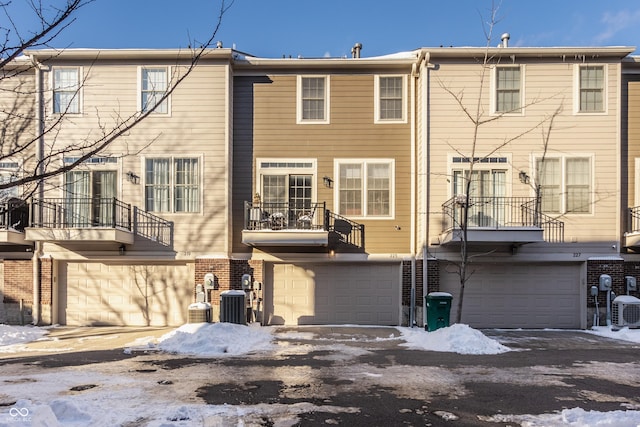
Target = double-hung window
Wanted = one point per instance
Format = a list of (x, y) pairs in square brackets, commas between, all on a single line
[(390, 99), (172, 184), (591, 93), (66, 90), (365, 188), (565, 184), (154, 83), (313, 99), (508, 89)]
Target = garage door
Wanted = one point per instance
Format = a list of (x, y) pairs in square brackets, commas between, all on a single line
[(359, 294), (518, 296), (124, 294)]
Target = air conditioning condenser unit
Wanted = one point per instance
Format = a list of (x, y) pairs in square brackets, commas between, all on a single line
[(625, 311)]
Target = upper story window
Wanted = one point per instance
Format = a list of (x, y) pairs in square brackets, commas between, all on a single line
[(365, 188), (154, 83), (390, 95), (591, 81), (172, 184), (565, 184), (313, 99), (66, 90), (508, 90)]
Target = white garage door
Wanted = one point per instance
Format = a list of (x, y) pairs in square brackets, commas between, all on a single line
[(121, 294), (359, 294), (517, 296)]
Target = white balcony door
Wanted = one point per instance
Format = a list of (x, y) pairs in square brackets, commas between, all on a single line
[(287, 193), (86, 195), (487, 192)]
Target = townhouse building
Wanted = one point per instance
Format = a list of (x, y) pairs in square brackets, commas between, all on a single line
[(337, 185), (115, 239), (537, 131), (324, 185)]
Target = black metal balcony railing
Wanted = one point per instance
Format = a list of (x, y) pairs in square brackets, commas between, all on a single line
[(14, 215), (152, 227), (100, 212), (500, 212), (633, 219), (313, 216), (81, 213), (348, 231), (283, 216)]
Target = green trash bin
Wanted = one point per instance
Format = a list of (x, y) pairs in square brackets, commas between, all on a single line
[(438, 305)]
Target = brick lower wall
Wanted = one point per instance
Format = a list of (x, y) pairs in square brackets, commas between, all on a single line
[(17, 292), (228, 274)]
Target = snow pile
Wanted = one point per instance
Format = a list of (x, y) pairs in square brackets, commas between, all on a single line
[(10, 335), (216, 339), (576, 417), (624, 334), (456, 338)]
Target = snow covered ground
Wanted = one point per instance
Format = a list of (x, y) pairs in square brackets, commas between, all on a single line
[(122, 399)]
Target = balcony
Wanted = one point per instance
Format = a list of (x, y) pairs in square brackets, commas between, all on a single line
[(498, 220), (632, 235), (14, 217), (279, 224), (89, 220)]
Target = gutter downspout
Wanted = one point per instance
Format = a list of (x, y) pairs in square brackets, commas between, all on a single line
[(426, 143), (37, 253), (415, 74)]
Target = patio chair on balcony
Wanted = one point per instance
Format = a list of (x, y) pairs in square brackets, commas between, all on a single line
[(305, 219), (277, 220)]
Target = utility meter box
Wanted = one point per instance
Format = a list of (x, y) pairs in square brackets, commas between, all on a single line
[(209, 281), (630, 281), (246, 281), (605, 282)]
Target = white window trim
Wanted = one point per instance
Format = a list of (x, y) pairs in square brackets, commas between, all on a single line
[(376, 97), (139, 90), (507, 166), (80, 71), (143, 182), (364, 162), (493, 102), (563, 177), (99, 167), (313, 171), (327, 99), (576, 91)]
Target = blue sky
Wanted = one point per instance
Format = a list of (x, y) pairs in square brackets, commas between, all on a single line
[(312, 28)]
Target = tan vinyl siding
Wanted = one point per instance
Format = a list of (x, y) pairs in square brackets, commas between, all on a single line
[(350, 134), (17, 118), (197, 126), (632, 122), (548, 86)]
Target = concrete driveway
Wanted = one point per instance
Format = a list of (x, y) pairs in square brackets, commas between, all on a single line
[(361, 376)]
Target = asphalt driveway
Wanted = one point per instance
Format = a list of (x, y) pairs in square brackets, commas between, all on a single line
[(361, 376)]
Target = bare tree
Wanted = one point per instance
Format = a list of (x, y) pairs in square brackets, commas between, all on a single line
[(475, 152), (22, 113)]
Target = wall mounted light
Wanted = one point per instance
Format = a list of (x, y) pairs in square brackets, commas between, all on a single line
[(328, 182), (122, 249), (132, 177), (524, 178)]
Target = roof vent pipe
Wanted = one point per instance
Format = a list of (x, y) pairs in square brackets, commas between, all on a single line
[(355, 50), (505, 39)]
